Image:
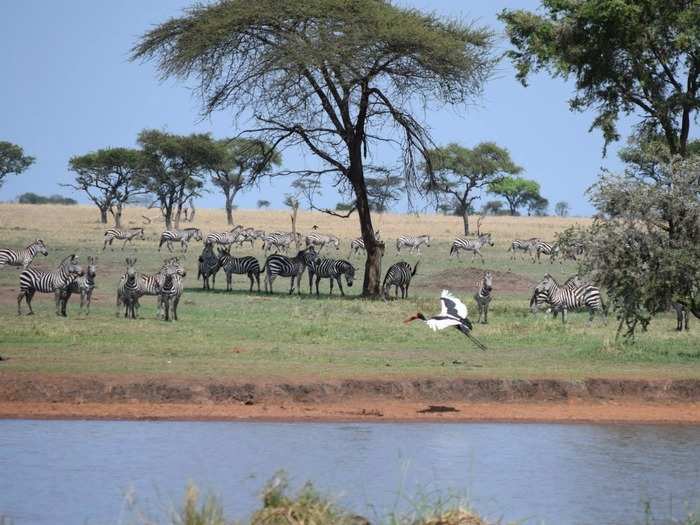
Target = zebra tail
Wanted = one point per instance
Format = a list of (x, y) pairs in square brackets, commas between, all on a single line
[(415, 268), (452, 250)]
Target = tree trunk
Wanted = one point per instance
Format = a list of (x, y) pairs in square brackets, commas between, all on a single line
[(168, 217), (192, 210), (103, 215), (118, 216), (371, 287), (465, 218), (229, 207), (178, 214)]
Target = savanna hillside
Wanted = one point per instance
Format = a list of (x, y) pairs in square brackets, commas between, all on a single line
[(257, 337)]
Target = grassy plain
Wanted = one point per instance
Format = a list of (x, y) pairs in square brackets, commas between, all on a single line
[(241, 336)]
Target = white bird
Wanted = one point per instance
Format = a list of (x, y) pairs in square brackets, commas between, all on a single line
[(453, 313)]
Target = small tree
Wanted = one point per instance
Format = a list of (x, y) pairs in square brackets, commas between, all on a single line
[(174, 167), (243, 160), (460, 172), (293, 203), (12, 160), (537, 205), (516, 191), (384, 189), (492, 208), (109, 178), (561, 208), (263, 204)]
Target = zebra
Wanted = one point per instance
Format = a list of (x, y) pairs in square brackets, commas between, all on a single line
[(412, 243), (331, 269), (171, 290), (398, 275), (182, 236), (84, 285), (546, 248), (562, 300), (32, 280), (279, 240), (283, 266), (483, 296), (523, 245), (358, 244), (225, 238), (240, 265), (128, 290), (471, 245), (208, 266), (681, 315), (320, 240), (539, 297), (246, 235), (24, 257), (122, 235), (145, 284)]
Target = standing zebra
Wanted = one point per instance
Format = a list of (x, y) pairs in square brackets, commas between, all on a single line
[(540, 298), (183, 236), (239, 265), (293, 267), (145, 284), (562, 300), (320, 240), (331, 269), (246, 235), (24, 257), (412, 243), (358, 244), (171, 290), (398, 275), (84, 285), (546, 248), (128, 290), (483, 296), (122, 235), (471, 245), (208, 266), (225, 238), (32, 280), (523, 245), (279, 240)]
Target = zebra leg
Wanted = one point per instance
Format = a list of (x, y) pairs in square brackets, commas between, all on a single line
[(104, 247), (291, 285), (57, 299), (340, 285), (88, 300), (486, 312), (318, 280), (250, 276), (478, 304), (28, 296), (176, 301), (124, 245), (228, 282)]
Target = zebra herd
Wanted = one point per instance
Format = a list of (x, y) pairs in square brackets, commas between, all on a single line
[(536, 247)]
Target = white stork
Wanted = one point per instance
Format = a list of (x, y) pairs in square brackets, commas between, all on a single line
[(453, 313)]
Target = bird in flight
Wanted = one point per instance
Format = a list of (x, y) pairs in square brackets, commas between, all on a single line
[(453, 313)]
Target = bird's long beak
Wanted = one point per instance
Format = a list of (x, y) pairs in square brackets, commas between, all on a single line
[(412, 318)]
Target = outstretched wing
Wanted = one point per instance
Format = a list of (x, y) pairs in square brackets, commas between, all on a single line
[(452, 306)]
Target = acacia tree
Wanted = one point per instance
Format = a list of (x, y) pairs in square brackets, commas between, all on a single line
[(173, 169), (384, 189), (109, 179), (460, 172), (516, 191), (561, 208), (243, 160), (12, 160), (330, 76), (625, 56)]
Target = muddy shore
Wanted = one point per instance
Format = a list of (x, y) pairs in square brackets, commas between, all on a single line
[(591, 400)]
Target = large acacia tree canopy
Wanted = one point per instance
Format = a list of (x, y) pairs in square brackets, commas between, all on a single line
[(626, 56)]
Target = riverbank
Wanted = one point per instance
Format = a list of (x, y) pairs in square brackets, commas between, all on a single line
[(457, 400)]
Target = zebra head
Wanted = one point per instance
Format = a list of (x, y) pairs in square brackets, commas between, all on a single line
[(174, 267), (197, 234), (91, 268), (427, 240), (140, 234), (486, 239), (487, 282), (349, 274), (71, 265), (40, 247), (336, 242), (130, 270)]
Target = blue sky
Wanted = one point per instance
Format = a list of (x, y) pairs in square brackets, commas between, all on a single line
[(68, 88)]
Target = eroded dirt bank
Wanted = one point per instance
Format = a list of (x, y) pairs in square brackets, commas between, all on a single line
[(603, 400)]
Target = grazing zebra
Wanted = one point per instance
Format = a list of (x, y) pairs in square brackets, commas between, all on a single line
[(398, 275), (239, 265), (32, 280), (183, 236), (562, 300), (122, 235), (208, 266), (483, 296), (471, 245), (225, 238), (84, 285), (283, 266), (358, 244), (279, 240), (331, 269), (412, 243), (171, 290), (523, 245), (246, 235), (546, 248), (320, 240), (24, 257)]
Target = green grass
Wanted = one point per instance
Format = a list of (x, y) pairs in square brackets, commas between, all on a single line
[(240, 335)]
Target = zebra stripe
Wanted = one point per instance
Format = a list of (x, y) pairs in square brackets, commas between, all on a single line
[(358, 244), (471, 245), (224, 238), (321, 240), (208, 266), (283, 266), (412, 243), (524, 245), (122, 235), (24, 257), (546, 248), (84, 285), (331, 269), (398, 275), (183, 236), (247, 265), (33, 280), (574, 297), (483, 296)]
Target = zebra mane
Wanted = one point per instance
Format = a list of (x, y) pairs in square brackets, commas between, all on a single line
[(67, 261), (35, 243)]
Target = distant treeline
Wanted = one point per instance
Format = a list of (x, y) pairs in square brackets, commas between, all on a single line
[(33, 198)]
